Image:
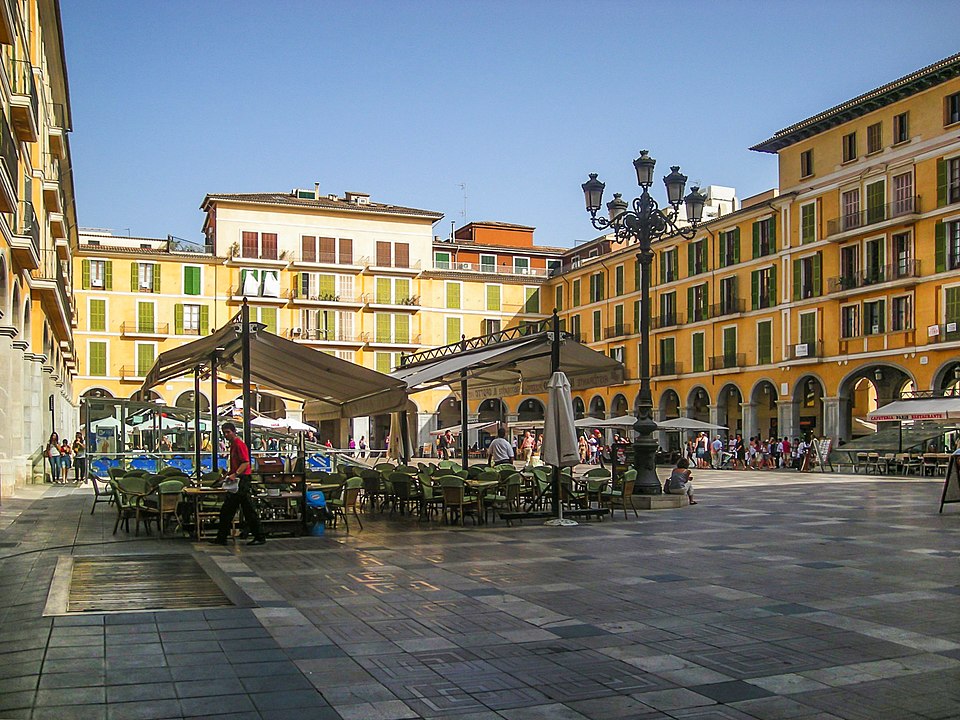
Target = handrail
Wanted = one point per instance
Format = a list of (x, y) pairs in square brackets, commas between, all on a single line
[(806, 350), (511, 333), (728, 306), (615, 331), (873, 215), (902, 269), (728, 361)]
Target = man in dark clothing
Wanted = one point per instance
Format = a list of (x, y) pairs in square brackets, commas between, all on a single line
[(238, 477)]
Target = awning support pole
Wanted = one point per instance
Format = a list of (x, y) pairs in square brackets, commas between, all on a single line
[(196, 421), (404, 438), (245, 359), (464, 440), (214, 428), (555, 367)]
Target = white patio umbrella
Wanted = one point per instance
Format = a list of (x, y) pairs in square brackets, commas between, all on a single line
[(265, 422), (295, 425), (559, 436)]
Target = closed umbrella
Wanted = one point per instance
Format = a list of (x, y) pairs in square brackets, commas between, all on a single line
[(394, 450), (559, 436)]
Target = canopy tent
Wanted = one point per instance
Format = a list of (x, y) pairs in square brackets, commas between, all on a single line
[(682, 423), (623, 421), (334, 388), (455, 429), (941, 408)]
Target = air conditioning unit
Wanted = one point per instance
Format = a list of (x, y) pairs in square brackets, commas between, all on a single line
[(876, 329), (296, 332)]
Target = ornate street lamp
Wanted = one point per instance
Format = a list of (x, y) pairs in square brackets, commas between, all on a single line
[(643, 222)]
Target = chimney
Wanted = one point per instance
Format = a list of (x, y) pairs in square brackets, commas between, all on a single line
[(316, 191)]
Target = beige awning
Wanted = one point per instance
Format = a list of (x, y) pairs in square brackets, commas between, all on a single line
[(941, 408), (333, 388)]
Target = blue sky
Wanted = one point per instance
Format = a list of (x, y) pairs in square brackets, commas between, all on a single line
[(408, 100)]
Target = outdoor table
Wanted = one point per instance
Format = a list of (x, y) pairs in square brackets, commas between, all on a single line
[(481, 487), (195, 495)]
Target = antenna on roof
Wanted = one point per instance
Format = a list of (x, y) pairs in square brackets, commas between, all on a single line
[(463, 213)]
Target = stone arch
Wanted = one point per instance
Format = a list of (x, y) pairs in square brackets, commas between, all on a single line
[(579, 410), (762, 418), (270, 405), (448, 412), (146, 396), (808, 405), (185, 401), (492, 410), (669, 408), (618, 406), (946, 379), (864, 389), (15, 311), (4, 290), (698, 404), (598, 407), (96, 392), (730, 408), (530, 409)]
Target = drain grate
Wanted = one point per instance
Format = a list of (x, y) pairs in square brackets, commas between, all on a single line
[(141, 582)]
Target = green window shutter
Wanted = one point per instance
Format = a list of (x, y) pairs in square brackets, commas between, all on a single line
[(558, 298), (729, 341), (736, 245), (706, 254), (178, 319), (773, 286), (940, 247), (663, 270), (204, 320), (268, 316), (797, 271), (298, 280), (384, 291), (817, 274), (808, 328), (618, 316), (618, 280), (108, 275), (401, 290), (453, 296), (145, 317), (674, 261), (636, 314), (493, 297), (941, 183), (531, 302), (98, 359), (327, 287), (382, 361), (755, 289), (156, 277), (764, 342), (575, 294), (97, 318), (691, 257), (756, 239), (689, 304), (85, 274), (698, 352), (724, 243), (453, 330), (773, 234), (951, 305), (401, 328), (191, 280), (134, 272), (383, 324), (144, 359), (668, 351), (807, 222)]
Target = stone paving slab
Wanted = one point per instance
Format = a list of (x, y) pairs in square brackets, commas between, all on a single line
[(778, 596)]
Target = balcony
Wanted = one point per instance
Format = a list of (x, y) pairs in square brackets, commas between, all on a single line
[(491, 269), (945, 332), (237, 296), (131, 373), (802, 351), (26, 236), (899, 210), (664, 320), (52, 196), (902, 270), (617, 331), (411, 341), (58, 225), (329, 260), (8, 22), (728, 306), (667, 368), (24, 104), (392, 267), (9, 167), (298, 297), (410, 303), (59, 126), (135, 329), (52, 286), (728, 361), (698, 313), (332, 337)]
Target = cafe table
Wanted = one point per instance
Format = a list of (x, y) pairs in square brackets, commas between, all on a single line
[(481, 488), (196, 495)]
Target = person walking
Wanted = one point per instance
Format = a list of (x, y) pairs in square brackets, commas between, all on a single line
[(500, 450), (237, 485), (52, 453), (79, 459), (65, 455), (527, 447), (363, 447), (716, 452)]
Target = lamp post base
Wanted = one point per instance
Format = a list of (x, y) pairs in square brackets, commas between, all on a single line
[(561, 522), (645, 463)]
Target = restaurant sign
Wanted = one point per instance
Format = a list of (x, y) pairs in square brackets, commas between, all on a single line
[(539, 387)]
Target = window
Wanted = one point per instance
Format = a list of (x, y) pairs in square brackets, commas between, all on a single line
[(493, 298), (951, 108), (258, 245), (873, 267), (764, 342), (729, 346), (948, 181), (763, 288), (553, 267), (268, 316), (806, 277), (668, 265), (901, 128), (808, 332), (145, 319), (453, 295), (903, 201), (97, 358), (849, 266), (144, 277), (668, 365), (874, 138), (668, 309), (97, 316), (951, 304), (636, 316), (874, 314), (850, 208), (308, 248), (697, 257), (488, 263), (531, 299), (617, 354), (575, 293), (441, 260), (698, 352), (697, 303), (806, 163), (876, 199), (191, 320), (764, 237), (728, 296), (947, 242), (146, 352), (383, 362), (902, 254), (901, 313), (558, 297), (808, 223), (453, 330), (596, 326), (618, 327), (596, 287), (618, 280), (850, 147), (850, 321), (730, 247), (521, 266), (191, 280), (489, 327), (575, 326), (97, 274)]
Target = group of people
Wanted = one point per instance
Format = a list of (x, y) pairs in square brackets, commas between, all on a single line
[(753, 454), (62, 455)]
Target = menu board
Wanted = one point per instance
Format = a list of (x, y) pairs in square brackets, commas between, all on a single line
[(951, 483)]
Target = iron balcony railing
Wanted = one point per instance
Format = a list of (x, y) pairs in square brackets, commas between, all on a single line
[(327, 258), (54, 269), (327, 335), (900, 270), (806, 350), (668, 368), (23, 83), (26, 223), (944, 332), (392, 263), (8, 150), (58, 115), (489, 268), (664, 320), (51, 167), (615, 331), (728, 306), (296, 294), (728, 361), (698, 313), (393, 340), (873, 215), (135, 327)]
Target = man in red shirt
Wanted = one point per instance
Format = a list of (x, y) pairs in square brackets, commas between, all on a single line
[(239, 477)]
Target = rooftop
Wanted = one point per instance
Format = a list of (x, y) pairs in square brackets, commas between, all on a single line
[(323, 202)]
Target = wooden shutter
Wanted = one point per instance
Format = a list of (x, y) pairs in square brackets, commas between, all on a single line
[(156, 277), (383, 289), (401, 255), (134, 277), (729, 341), (691, 257), (736, 245), (327, 286), (808, 328), (493, 297), (401, 328), (98, 359), (558, 298), (941, 183), (204, 320), (698, 352), (618, 280), (951, 305), (453, 295), (636, 313), (85, 274), (401, 290), (308, 248), (773, 286), (383, 254), (756, 239), (346, 251), (689, 304), (328, 250), (191, 280), (145, 317), (797, 278), (268, 316), (178, 319), (108, 275), (940, 246), (268, 246), (383, 324), (764, 339), (248, 248), (755, 290), (144, 359), (817, 274), (724, 244), (706, 254), (382, 362), (531, 302), (772, 234), (453, 330), (574, 293), (663, 270), (98, 316)]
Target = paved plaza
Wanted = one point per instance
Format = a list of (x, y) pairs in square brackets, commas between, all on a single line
[(778, 596)]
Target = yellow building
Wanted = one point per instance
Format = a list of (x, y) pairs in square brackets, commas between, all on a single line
[(37, 230)]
